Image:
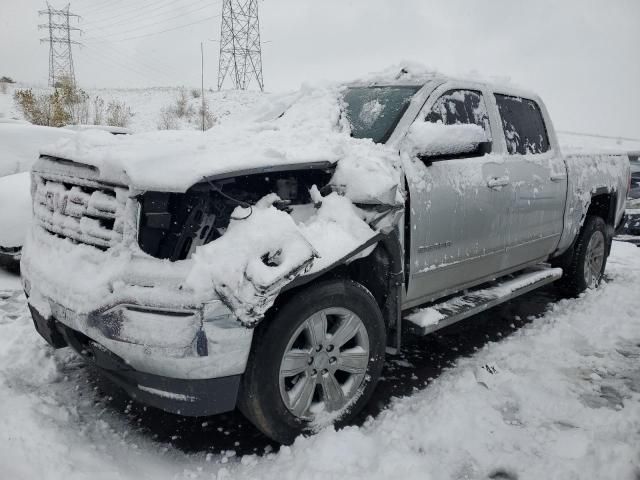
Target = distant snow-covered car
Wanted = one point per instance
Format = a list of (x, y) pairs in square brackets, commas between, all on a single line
[(20, 144), (15, 214), (107, 128), (632, 221)]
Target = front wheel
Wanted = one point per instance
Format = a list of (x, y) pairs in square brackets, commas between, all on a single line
[(585, 268), (315, 362)]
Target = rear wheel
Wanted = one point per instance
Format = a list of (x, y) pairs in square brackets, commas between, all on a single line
[(315, 362), (585, 267)]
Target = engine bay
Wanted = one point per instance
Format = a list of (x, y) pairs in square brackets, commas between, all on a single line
[(172, 225)]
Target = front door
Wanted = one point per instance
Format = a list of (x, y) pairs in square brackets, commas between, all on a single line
[(456, 223)]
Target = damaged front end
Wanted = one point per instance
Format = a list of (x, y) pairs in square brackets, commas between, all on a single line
[(250, 235)]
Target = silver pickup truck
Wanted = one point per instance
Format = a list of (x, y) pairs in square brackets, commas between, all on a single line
[(271, 264)]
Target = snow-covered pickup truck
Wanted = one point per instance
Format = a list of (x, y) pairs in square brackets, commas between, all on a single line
[(271, 263)]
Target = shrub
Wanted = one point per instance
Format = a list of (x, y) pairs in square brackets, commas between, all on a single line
[(70, 105), (182, 107), (118, 114), (168, 119), (5, 79), (42, 109), (75, 102), (195, 93)]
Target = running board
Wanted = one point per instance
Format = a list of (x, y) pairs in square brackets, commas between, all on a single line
[(422, 321)]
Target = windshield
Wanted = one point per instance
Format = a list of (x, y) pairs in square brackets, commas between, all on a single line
[(635, 166), (374, 112)]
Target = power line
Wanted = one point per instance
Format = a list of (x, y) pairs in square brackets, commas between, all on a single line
[(122, 59), (164, 31), (120, 12), (59, 40), (240, 48), (154, 22), (611, 137), (157, 14), (145, 11), (127, 51), (99, 8), (149, 61), (129, 68)]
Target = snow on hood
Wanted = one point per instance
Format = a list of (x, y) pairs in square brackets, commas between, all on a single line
[(297, 129)]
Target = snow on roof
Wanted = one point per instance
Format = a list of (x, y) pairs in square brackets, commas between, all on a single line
[(404, 73)]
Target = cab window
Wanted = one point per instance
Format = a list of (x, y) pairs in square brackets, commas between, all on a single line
[(523, 125), (460, 106)]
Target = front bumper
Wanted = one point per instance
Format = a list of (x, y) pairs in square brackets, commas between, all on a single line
[(189, 397)]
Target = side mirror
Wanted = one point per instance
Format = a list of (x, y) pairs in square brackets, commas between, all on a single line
[(435, 141)]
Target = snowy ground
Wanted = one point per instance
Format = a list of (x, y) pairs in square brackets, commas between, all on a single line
[(557, 398)]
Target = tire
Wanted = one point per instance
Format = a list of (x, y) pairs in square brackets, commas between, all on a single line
[(10, 263), (584, 268), (285, 398)]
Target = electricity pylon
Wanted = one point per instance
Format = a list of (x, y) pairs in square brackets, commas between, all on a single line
[(59, 40), (240, 48)]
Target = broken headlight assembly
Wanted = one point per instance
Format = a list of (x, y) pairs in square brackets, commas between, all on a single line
[(173, 225)]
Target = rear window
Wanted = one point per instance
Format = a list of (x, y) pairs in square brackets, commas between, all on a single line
[(523, 125)]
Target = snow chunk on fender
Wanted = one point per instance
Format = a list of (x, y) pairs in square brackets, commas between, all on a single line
[(370, 174), (260, 252), (264, 249), (335, 230), (425, 138)]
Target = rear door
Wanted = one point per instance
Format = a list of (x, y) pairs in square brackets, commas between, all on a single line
[(538, 181), (456, 219)]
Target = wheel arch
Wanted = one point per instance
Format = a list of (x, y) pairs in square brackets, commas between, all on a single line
[(603, 204), (380, 272)]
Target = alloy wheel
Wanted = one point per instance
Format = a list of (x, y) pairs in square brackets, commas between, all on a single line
[(594, 259), (325, 363)]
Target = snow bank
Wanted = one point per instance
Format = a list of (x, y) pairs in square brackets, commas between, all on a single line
[(557, 399), (15, 209), (20, 145)]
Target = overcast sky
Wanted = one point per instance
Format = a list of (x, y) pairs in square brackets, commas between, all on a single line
[(581, 56)]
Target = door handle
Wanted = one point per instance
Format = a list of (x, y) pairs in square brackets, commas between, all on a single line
[(558, 178), (497, 182)]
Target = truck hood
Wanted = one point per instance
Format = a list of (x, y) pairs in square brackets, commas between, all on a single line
[(305, 128)]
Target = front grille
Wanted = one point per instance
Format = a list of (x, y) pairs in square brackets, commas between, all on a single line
[(80, 210)]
